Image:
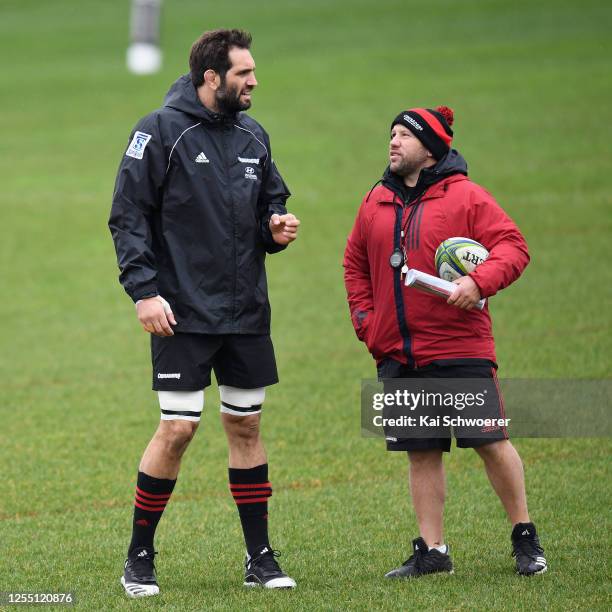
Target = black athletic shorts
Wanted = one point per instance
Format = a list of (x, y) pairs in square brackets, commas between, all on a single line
[(183, 362), (451, 368)]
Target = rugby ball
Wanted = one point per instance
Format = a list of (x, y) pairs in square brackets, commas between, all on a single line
[(456, 257)]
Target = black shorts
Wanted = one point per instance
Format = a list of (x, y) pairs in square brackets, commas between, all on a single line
[(183, 362), (452, 368)]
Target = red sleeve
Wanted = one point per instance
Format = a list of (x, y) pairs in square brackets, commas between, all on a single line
[(357, 277), (508, 255)]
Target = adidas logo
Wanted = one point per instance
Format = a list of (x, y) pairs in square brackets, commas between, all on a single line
[(142, 553), (526, 532), (201, 159)]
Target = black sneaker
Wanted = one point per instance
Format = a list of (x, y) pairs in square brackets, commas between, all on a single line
[(526, 549), (262, 570), (423, 561), (139, 578)]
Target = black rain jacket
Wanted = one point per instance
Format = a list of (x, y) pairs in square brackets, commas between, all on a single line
[(193, 197)]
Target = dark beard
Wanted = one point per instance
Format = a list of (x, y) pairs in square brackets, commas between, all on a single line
[(409, 166), (228, 100)]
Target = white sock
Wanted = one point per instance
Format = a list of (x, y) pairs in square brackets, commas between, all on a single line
[(443, 548)]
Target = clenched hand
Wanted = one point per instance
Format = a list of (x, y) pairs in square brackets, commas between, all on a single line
[(284, 228), (466, 295)]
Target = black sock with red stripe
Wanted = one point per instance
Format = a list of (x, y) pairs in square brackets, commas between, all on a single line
[(251, 490), (152, 495)]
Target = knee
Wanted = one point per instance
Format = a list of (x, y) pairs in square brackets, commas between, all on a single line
[(180, 414), (177, 434), (424, 458), (495, 451), (242, 430), (240, 412)]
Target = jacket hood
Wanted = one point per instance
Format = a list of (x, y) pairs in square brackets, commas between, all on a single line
[(182, 96), (452, 163)]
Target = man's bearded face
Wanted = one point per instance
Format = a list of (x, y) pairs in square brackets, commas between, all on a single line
[(238, 83), (407, 155)]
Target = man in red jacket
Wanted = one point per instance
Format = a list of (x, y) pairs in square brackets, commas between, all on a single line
[(424, 198)]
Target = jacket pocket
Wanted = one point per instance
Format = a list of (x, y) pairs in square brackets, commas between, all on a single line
[(362, 321)]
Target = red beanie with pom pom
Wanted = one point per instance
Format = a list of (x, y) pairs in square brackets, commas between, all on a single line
[(430, 126)]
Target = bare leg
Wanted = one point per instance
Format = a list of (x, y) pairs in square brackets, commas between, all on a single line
[(505, 471), (428, 490), (246, 449), (162, 457)]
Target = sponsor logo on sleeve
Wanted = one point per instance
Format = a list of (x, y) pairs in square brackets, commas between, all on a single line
[(249, 160), (138, 145), (249, 173)]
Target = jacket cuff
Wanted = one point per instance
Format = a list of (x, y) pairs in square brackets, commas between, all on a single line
[(274, 247), (147, 291), (266, 235), (485, 292)]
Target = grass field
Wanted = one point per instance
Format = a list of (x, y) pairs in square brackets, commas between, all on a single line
[(530, 86)]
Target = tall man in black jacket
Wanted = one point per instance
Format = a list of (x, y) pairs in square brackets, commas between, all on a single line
[(198, 203)]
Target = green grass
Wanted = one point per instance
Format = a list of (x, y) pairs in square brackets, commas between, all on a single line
[(530, 86)]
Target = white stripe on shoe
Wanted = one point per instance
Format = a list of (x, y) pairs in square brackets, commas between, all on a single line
[(134, 589), (276, 583)]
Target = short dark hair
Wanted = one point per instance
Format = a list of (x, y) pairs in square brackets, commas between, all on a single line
[(211, 52)]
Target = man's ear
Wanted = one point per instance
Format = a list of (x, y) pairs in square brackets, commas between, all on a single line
[(212, 79)]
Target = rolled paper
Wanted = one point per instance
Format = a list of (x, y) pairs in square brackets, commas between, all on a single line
[(434, 285)]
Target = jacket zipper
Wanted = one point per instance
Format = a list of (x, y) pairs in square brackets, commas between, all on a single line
[(225, 133), (397, 288), (400, 309)]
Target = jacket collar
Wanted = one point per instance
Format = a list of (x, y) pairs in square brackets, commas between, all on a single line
[(183, 96), (432, 181)]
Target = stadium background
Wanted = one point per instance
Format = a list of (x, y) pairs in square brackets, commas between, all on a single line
[(530, 86)]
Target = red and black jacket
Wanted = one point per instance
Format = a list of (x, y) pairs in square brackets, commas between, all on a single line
[(402, 323)]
